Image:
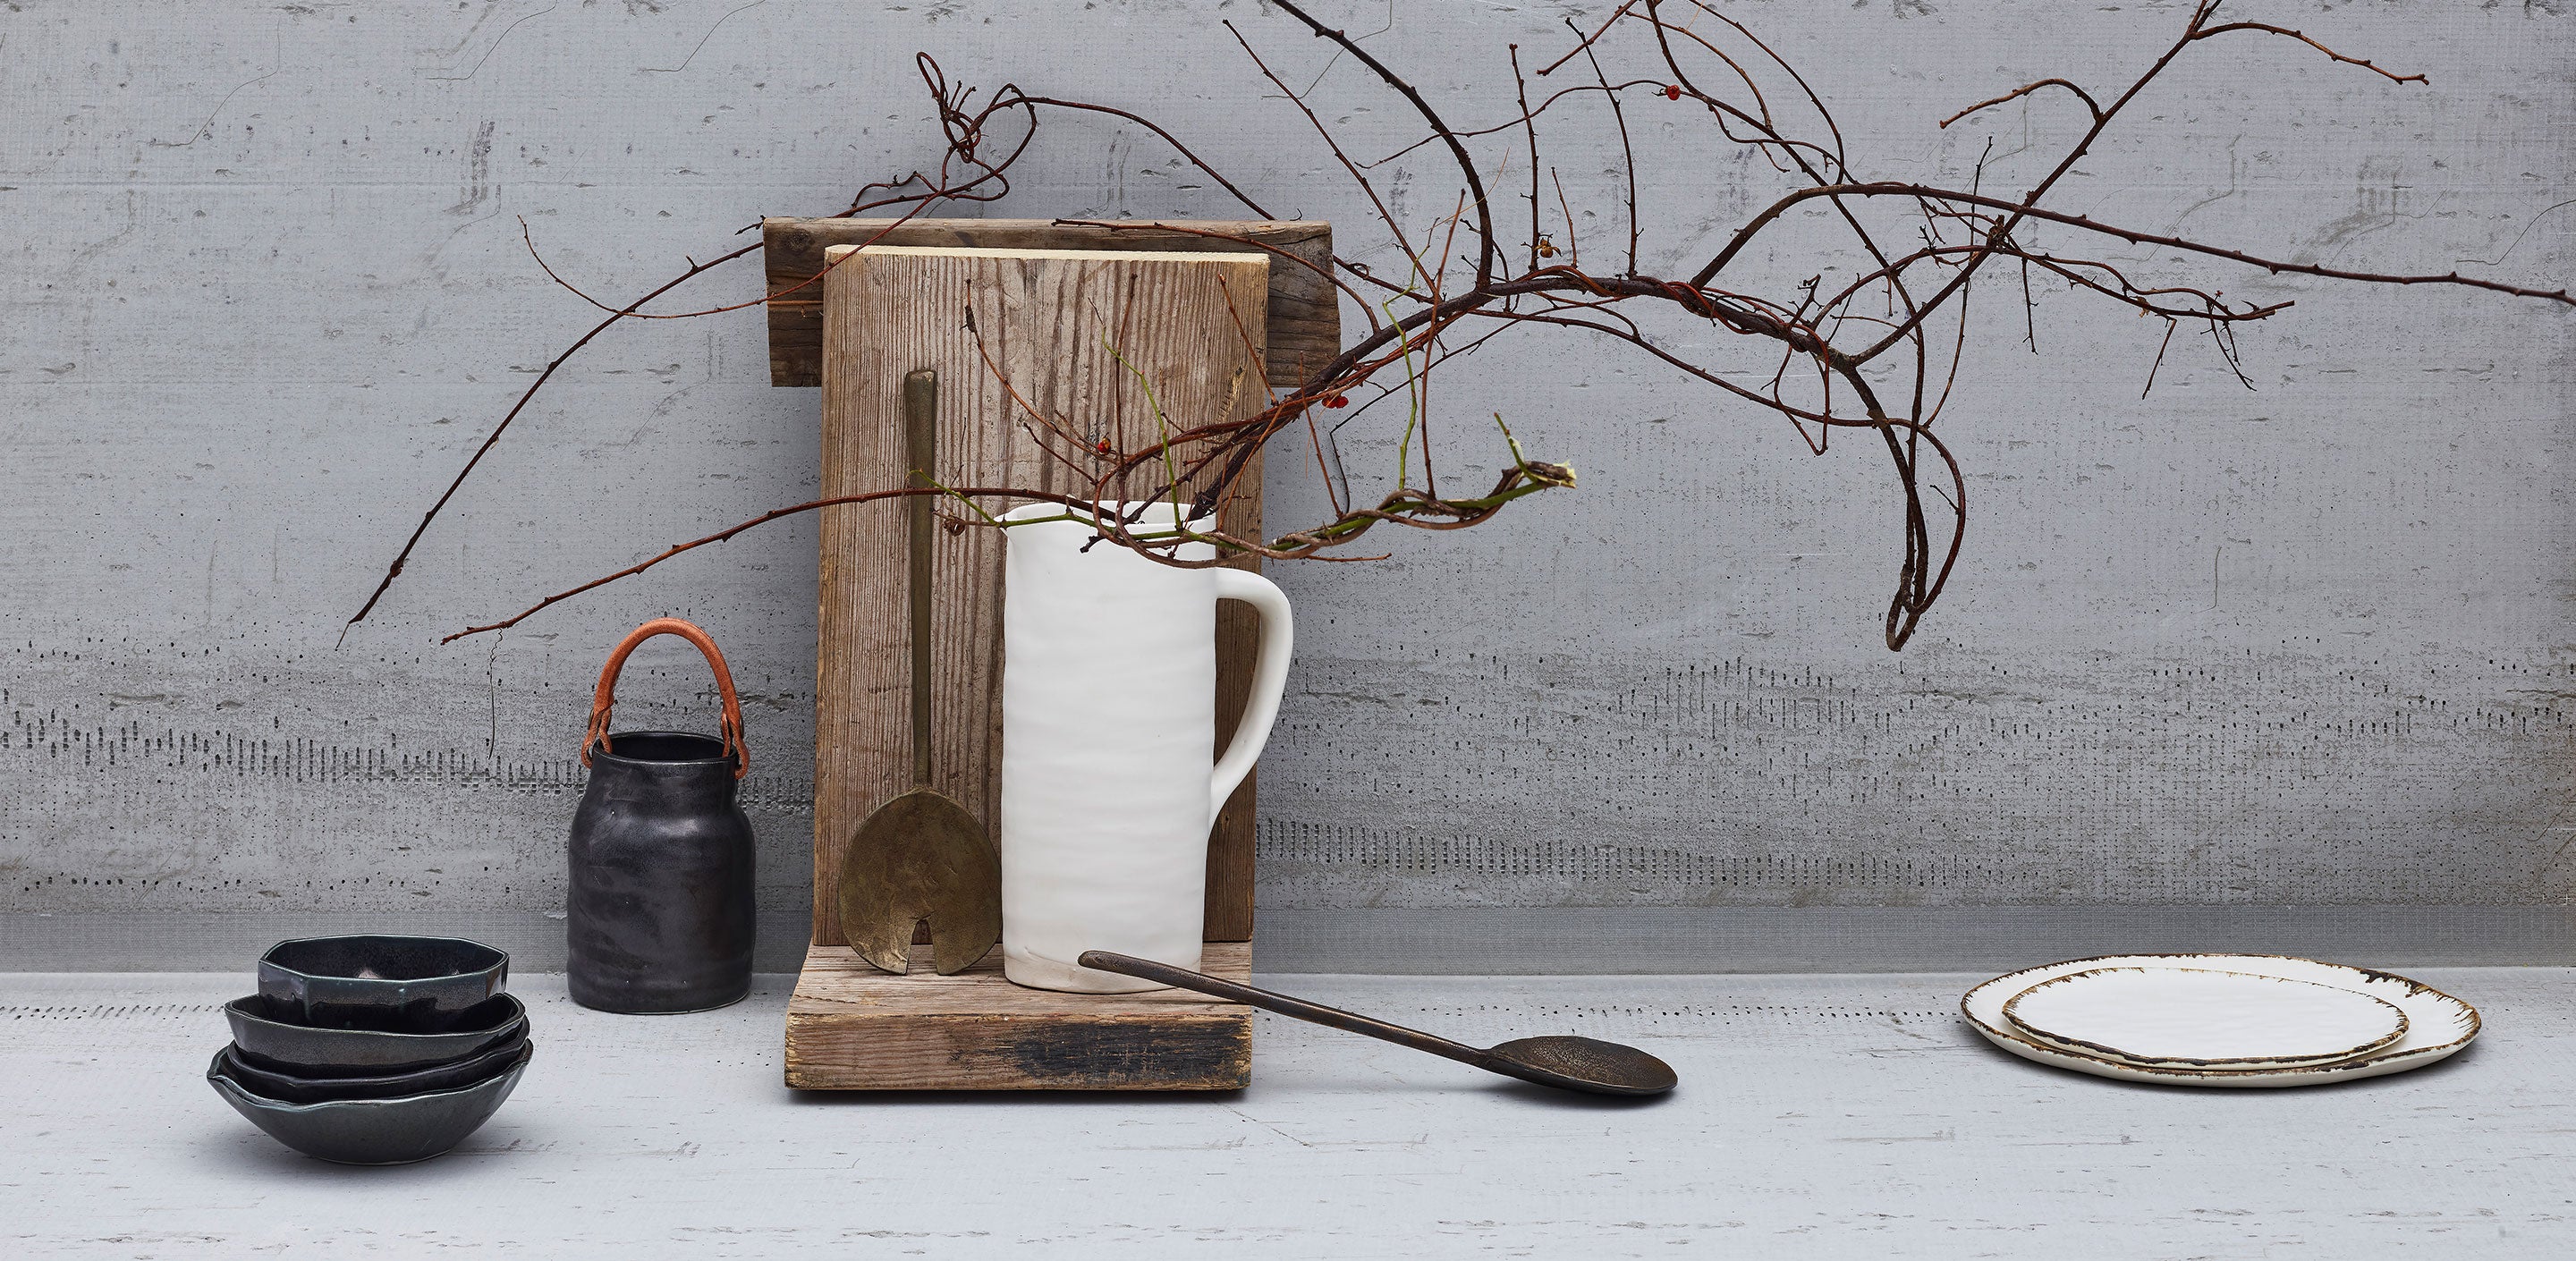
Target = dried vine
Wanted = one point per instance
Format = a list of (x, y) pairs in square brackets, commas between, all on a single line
[(1867, 355)]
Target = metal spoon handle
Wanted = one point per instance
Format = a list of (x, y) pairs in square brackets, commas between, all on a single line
[(1334, 1017), (921, 451)]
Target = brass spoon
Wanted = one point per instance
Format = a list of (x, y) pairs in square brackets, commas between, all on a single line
[(1567, 1063), (921, 856)]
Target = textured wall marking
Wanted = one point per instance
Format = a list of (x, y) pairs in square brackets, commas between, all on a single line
[(2305, 644)]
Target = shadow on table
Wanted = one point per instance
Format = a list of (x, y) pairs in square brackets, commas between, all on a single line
[(243, 1150)]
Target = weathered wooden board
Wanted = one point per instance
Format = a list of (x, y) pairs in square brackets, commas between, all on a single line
[(1304, 311), (1045, 324), (851, 1027)]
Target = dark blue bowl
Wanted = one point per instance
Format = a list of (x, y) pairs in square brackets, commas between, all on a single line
[(303, 1088), (268, 1038), (394, 1131), (379, 981)]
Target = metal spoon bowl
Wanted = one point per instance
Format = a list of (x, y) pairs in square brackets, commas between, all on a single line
[(1567, 1063), (1588, 1064), (921, 857)]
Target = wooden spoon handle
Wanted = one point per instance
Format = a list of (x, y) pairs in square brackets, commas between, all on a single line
[(1332, 1017)]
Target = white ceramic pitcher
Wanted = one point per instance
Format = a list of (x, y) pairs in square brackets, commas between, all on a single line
[(1108, 735)]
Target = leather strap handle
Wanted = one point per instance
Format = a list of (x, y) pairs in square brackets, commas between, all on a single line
[(606, 697)]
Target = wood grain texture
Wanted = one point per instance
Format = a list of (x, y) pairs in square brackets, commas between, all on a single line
[(852, 1027), (1046, 323), (1304, 311)]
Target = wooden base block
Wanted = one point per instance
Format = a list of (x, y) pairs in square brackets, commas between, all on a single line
[(851, 1027)]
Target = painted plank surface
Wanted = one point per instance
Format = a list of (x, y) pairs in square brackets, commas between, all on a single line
[(1304, 311), (1049, 332), (851, 1027), (1820, 1118)]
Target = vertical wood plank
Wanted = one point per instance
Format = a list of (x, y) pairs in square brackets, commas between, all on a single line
[(861, 749), (1045, 323)]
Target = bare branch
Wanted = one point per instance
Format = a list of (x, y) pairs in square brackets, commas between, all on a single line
[(1805, 368), (2269, 29), (2090, 105)]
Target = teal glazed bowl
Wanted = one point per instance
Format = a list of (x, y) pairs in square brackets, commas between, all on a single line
[(395, 1131), (381, 981)]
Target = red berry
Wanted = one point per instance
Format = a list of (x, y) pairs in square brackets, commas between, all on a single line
[(1673, 92), (1337, 401)]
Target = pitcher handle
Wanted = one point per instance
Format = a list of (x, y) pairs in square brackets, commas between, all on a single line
[(605, 698), (1269, 679)]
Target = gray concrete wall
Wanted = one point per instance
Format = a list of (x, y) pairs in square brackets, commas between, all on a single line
[(2304, 645)]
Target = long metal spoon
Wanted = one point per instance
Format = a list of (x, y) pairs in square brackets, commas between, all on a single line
[(1567, 1063), (921, 856)]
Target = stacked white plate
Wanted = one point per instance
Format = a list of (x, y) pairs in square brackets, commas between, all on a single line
[(2219, 1019)]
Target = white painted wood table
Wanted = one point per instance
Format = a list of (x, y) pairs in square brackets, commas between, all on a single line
[(1820, 1116)]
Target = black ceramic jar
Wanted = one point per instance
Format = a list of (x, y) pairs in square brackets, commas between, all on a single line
[(660, 917)]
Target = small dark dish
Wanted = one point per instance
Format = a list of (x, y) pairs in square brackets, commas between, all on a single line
[(267, 1037), (296, 1088), (404, 984), (374, 1131)]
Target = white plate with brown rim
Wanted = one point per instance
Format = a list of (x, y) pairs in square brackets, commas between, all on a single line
[(2203, 1018), (2437, 1025)]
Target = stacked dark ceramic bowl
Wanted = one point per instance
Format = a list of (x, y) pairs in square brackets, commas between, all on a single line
[(374, 1050)]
